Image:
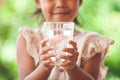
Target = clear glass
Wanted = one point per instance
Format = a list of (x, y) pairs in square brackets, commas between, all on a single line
[(59, 33)]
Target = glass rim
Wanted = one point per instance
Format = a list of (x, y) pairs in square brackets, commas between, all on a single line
[(58, 22)]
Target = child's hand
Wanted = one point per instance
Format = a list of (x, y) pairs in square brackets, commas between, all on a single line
[(45, 56), (71, 58)]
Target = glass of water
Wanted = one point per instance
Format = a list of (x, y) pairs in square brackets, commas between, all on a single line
[(58, 33)]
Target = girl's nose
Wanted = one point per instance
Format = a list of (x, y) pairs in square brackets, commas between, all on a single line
[(60, 3)]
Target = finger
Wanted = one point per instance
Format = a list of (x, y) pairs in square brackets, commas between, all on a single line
[(49, 61), (47, 56), (65, 57), (74, 44), (70, 50), (46, 49), (43, 43), (73, 58), (65, 63)]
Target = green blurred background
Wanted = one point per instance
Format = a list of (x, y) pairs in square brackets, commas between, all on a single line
[(102, 16)]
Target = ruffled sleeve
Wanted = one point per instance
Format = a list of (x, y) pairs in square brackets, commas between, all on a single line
[(31, 41), (89, 45)]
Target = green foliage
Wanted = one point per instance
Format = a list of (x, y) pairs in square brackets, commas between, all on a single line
[(102, 16)]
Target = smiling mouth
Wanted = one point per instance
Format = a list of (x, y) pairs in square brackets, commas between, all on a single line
[(61, 13)]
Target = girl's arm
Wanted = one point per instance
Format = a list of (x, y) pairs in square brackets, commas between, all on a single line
[(92, 66), (26, 65), (88, 71)]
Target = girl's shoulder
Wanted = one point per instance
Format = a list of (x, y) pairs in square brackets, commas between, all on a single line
[(32, 38), (91, 43)]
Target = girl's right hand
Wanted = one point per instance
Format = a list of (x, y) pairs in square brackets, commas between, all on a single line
[(45, 57)]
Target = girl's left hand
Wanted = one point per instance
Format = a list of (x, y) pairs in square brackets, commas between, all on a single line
[(71, 58)]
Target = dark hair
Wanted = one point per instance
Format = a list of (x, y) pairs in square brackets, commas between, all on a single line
[(40, 18)]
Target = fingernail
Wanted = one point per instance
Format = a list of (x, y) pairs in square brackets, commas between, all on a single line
[(63, 49), (52, 47), (55, 54), (70, 54)]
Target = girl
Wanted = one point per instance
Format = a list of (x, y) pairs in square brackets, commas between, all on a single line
[(88, 49)]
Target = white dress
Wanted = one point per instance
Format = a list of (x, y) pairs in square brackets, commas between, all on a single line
[(86, 43)]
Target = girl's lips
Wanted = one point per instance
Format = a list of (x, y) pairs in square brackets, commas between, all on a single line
[(61, 13)]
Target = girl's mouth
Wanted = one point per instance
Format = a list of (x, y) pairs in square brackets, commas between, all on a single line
[(61, 13)]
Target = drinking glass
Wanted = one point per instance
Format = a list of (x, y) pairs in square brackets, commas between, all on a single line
[(58, 33)]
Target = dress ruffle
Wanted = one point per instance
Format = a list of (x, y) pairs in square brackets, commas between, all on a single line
[(32, 40)]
